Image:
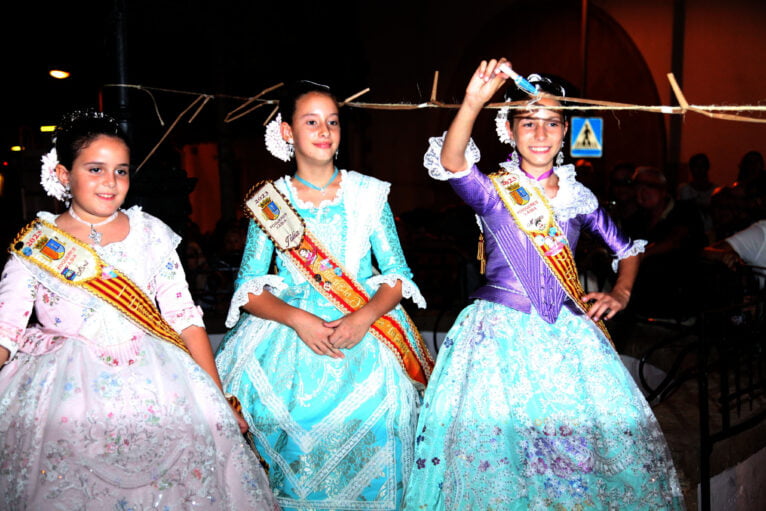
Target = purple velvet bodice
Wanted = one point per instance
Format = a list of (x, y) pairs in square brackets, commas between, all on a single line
[(516, 275)]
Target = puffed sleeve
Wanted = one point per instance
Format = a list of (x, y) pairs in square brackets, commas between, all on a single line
[(600, 223), (18, 291), (390, 257), (471, 184), (253, 271), (433, 162), (476, 190)]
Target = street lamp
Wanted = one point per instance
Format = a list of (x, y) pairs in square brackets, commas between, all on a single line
[(59, 74)]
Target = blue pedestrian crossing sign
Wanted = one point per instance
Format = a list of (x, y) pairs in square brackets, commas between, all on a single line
[(586, 137)]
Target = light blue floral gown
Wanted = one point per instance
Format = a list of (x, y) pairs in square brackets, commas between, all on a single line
[(337, 434)]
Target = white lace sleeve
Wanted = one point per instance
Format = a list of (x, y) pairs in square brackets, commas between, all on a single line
[(432, 159), (410, 290), (254, 286), (636, 248)]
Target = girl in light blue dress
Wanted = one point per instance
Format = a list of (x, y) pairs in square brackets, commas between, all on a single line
[(331, 409)]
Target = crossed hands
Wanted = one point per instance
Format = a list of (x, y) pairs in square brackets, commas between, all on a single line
[(329, 337)]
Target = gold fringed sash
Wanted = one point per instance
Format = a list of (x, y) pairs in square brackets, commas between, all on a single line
[(534, 216), (73, 262), (284, 226)]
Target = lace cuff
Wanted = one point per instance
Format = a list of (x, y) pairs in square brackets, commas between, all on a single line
[(184, 318), (254, 286), (409, 288), (636, 248), (432, 159), (7, 336)]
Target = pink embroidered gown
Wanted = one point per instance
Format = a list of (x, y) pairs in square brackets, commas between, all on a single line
[(95, 414)]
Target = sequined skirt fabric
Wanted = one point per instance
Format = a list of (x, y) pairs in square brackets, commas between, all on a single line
[(521, 414)]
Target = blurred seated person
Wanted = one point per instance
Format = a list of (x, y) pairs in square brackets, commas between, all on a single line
[(750, 186), (728, 213), (621, 196), (666, 284), (744, 248), (699, 189)]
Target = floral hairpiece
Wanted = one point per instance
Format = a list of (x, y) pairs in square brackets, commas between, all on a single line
[(50, 180), (275, 144), (500, 121)]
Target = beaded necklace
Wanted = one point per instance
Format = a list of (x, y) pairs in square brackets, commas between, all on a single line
[(320, 189)]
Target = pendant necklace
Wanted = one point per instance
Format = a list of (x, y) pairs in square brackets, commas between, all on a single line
[(94, 234), (320, 189)]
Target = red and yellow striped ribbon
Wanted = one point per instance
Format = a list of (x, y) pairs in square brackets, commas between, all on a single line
[(331, 280), (560, 262)]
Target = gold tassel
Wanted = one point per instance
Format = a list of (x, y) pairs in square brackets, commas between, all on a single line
[(480, 255)]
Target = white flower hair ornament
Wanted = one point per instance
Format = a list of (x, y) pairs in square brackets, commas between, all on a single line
[(500, 120), (50, 180), (275, 144)]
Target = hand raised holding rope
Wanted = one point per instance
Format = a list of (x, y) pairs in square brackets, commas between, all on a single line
[(485, 82)]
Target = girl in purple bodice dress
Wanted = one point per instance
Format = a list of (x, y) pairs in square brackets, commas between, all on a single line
[(529, 406)]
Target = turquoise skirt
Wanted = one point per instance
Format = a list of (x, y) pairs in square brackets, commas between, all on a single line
[(337, 434), (521, 414)]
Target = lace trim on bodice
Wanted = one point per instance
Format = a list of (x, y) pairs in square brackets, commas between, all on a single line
[(573, 197), (363, 208), (432, 159)]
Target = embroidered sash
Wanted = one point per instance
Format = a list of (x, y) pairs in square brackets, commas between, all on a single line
[(534, 216), (284, 226), (71, 261)]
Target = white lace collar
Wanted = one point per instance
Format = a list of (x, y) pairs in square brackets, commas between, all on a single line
[(325, 203)]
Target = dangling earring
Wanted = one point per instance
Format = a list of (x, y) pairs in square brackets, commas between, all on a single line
[(514, 155), (560, 156), (290, 151), (336, 153)]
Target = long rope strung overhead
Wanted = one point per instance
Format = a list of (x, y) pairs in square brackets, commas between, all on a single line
[(253, 103)]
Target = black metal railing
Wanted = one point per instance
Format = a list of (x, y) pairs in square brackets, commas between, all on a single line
[(723, 349), (731, 379)]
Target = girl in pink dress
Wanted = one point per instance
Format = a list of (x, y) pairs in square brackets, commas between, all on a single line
[(97, 412)]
